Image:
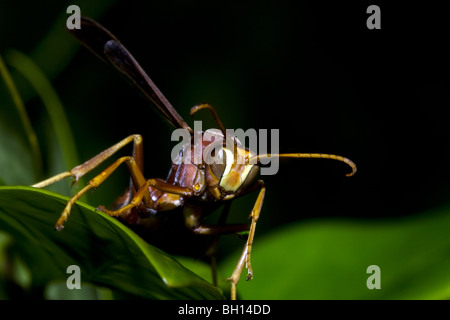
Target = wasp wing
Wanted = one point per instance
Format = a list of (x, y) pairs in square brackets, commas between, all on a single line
[(109, 49)]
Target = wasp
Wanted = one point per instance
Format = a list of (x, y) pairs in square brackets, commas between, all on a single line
[(195, 187)]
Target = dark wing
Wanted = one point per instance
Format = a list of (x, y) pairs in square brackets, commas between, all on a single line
[(108, 48)]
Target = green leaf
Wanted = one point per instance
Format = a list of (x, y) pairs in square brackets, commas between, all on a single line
[(328, 259), (19, 151), (51, 101), (109, 254)]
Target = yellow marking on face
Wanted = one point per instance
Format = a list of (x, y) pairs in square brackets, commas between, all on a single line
[(235, 173), (229, 161)]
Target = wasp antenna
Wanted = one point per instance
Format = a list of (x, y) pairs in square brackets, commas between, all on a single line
[(213, 112), (310, 156)]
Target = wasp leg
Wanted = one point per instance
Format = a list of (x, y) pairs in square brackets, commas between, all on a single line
[(91, 164), (170, 188), (211, 252), (246, 253), (143, 191), (213, 112), (136, 175), (192, 215), (134, 202)]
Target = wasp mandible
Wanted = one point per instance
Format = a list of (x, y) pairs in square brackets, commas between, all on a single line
[(190, 185)]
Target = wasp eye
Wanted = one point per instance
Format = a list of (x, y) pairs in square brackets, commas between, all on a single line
[(220, 163), (250, 178)]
